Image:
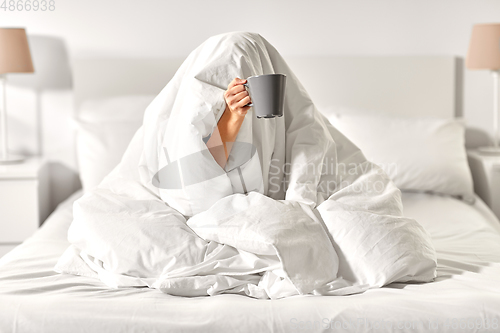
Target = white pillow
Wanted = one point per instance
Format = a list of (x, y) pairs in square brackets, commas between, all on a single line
[(115, 109), (336, 110), (375, 250), (104, 130), (418, 154)]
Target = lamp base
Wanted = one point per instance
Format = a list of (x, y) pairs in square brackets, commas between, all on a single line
[(489, 150), (12, 159)]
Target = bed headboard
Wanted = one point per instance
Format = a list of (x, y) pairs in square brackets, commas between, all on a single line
[(405, 85)]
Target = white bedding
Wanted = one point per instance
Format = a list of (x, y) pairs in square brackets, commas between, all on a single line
[(421, 154), (33, 298), (297, 209)]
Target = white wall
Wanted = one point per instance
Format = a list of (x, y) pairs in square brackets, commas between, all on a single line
[(156, 28)]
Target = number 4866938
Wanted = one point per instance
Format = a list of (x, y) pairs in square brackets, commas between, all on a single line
[(28, 5)]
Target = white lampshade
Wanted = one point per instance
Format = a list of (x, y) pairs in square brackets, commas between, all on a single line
[(15, 56)]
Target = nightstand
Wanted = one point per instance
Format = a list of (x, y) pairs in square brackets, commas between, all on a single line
[(486, 175), (24, 201)]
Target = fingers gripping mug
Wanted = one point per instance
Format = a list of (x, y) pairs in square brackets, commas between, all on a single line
[(267, 93)]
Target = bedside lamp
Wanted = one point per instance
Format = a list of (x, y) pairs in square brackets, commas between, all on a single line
[(484, 53), (15, 57)]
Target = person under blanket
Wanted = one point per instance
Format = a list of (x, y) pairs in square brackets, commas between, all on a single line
[(289, 207)]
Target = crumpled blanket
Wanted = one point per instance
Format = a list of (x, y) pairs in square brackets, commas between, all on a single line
[(296, 210)]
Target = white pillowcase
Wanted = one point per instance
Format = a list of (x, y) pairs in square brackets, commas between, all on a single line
[(336, 110), (375, 250), (104, 130), (418, 154)]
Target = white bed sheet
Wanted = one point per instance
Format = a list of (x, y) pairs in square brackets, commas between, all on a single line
[(33, 298)]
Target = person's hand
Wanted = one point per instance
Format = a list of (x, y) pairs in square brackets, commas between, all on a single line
[(237, 98)]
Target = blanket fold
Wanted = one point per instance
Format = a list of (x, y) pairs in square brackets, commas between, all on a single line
[(297, 210)]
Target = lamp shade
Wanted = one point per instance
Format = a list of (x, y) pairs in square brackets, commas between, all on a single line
[(15, 54), (484, 47)]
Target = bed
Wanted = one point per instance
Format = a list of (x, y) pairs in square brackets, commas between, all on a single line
[(465, 296), (466, 293)]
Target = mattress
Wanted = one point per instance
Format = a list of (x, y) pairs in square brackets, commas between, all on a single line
[(464, 297)]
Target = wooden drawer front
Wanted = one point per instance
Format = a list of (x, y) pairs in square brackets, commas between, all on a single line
[(19, 213)]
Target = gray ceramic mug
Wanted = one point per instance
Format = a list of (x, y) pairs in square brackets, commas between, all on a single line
[(267, 93)]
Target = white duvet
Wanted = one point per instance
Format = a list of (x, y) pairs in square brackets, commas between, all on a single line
[(297, 209)]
